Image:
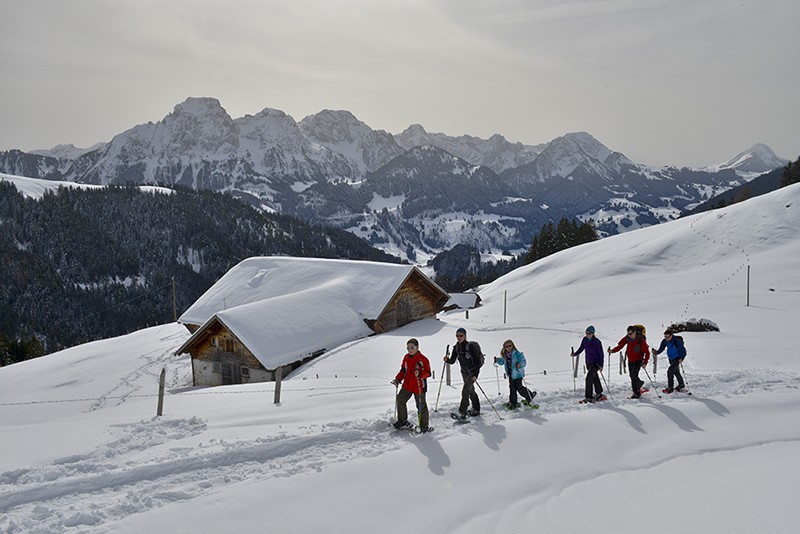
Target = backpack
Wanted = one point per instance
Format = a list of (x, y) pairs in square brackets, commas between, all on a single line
[(477, 347), (641, 329), (681, 346)]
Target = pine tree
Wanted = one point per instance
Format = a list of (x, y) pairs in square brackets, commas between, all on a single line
[(791, 173)]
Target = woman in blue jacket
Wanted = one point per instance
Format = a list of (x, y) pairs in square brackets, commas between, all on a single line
[(676, 352), (594, 364), (514, 363)]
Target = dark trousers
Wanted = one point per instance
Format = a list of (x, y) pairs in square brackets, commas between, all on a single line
[(468, 396), (674, 372), (592, 380), (633, 370), (422, 407), (515, 385)]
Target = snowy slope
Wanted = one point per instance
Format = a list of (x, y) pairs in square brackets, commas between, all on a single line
[(36, 188), (82, 451)]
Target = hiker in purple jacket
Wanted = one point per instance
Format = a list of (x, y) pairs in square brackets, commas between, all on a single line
[(594, 364)]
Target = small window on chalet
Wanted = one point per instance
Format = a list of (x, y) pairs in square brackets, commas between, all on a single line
[(246, 372), (230, 345)]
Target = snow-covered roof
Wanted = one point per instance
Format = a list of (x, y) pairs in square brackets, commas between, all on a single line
[(284, 308), (364, 287)]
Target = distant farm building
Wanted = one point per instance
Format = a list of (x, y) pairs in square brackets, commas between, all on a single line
[(270, 313)]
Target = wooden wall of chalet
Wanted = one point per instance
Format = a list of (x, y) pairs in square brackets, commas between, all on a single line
[(219, 358), (416, 299)]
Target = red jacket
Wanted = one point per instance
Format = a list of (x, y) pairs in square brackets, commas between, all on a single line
[(636, 349), (407, 375)]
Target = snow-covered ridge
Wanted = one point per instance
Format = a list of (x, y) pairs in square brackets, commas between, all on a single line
[(35, 188)]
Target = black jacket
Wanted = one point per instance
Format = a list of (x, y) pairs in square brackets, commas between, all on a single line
[(468, 354)]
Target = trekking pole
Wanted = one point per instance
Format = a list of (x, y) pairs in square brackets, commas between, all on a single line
[(487, 398), (530, 391), (419, 402), (651, 382), (395, 401), (497, 373), (574, 369), (685, 383), (444, 366), (610, 396)]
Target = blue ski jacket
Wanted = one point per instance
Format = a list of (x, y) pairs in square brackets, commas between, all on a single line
[(594, 350), (511, 361), (674, 348)]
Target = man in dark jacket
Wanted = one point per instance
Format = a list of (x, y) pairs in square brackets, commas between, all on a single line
[(469, 357), (594, 364)]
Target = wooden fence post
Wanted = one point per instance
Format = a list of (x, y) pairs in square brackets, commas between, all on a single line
[(161, 381), (278, 376)]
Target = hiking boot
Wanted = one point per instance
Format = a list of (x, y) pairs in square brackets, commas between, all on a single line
[(636, 395), (588, 400), (401, 424), (668, 390), (680, 388), (599, 396), (528, 402), (426, 429), (511, 405), (473, 413), (533, 394)]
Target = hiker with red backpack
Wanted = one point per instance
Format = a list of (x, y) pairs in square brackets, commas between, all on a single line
[(676, 352), (638, 354)]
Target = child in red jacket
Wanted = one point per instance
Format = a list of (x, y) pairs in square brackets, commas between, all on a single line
[(638, 354), (414, 371)]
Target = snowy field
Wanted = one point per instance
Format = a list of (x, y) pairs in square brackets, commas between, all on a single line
[(82, 450)]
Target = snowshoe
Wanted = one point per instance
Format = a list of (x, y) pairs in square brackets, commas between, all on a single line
[(459, 417), (667, 390), (473, 413), (586, 401), (530, 405), (405, 425), (511, 406)]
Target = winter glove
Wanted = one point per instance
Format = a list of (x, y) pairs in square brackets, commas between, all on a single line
[(395, 382)]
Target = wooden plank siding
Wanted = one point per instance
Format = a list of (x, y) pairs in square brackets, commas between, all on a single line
[(219, 358), (416, 299)]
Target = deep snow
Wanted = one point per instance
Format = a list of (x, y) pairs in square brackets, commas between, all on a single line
[(83, 452)]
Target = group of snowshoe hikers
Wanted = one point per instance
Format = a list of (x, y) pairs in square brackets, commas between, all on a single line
[(638, 355), (415, 369)]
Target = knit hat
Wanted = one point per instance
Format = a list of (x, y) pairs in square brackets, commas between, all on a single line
[(461, 331), (590, 329)]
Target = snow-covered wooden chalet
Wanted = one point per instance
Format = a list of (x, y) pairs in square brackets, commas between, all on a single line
[(277, 312)]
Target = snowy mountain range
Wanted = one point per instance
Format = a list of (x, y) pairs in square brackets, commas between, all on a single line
[(413, 194)]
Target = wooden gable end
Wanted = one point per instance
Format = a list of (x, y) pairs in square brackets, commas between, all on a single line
[(220, 358), (417, 298)]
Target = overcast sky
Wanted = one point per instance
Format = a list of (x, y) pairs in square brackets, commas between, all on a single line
[(664, 82)]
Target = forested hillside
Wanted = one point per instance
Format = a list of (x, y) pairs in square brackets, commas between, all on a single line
[(79, 265)]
